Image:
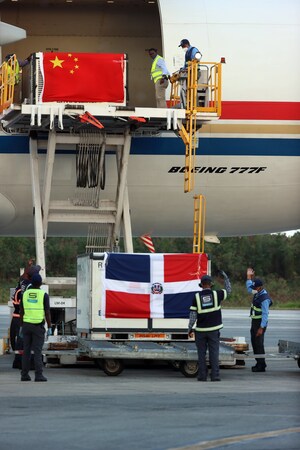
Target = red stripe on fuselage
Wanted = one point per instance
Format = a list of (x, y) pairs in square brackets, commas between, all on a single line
[(261, 110)]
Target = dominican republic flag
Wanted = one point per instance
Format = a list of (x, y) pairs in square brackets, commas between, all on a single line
[(157, 285)]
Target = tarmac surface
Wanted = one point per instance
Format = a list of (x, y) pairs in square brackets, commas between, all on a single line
[(154, 407), (150, 408)]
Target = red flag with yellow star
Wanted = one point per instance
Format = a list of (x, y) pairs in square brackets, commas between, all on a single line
[(83, 77)]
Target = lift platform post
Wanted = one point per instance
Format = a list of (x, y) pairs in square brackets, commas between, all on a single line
[(199, 223)]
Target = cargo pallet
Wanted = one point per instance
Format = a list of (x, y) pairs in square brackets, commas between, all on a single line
[(111, 354)]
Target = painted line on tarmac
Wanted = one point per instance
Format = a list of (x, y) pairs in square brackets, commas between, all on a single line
[(205, 445)]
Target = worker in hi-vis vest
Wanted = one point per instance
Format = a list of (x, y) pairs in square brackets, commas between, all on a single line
[(21, 287), (34, 308), (159, 75), (259, 314), (14, 76), (206, 310), (17, 64)]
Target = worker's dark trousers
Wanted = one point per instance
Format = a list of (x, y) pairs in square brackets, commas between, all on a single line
[(210, 340), (14, 331), (258, 343), (34, 336)]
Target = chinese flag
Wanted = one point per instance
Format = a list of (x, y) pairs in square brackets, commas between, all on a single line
[(83, 77)]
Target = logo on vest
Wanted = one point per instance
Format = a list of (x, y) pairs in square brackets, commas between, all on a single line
[(206, 301), (156, 288), (32, 297)]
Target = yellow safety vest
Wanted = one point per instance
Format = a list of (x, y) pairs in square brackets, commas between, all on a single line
[(17, 72), (156, 72), (33, 305)]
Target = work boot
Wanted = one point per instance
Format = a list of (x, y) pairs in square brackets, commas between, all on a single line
[(216, 379), (25, 378), (40, 378), (258, 369)]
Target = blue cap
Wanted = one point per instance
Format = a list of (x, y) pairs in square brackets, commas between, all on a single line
[(36, 279), (256, 283), (206, 279), (184, 42), (33, 269)]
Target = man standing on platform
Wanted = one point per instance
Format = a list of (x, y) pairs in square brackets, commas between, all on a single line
[(160, 76)]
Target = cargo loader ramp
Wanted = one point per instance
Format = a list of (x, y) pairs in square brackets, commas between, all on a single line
[(87, 129)]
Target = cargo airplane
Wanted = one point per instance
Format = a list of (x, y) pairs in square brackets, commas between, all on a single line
[(248, 161)]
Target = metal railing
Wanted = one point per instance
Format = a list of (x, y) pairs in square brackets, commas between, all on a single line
[(197, 87), (9, 73)]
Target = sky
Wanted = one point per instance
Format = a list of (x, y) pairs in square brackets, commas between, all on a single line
[(291, 232)]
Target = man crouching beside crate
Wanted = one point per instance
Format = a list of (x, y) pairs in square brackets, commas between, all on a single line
[(206, 310)]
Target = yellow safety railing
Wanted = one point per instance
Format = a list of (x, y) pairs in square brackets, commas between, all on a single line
[(199, 223), (175, 91), (206, 79), (9, 71), (198, 89)]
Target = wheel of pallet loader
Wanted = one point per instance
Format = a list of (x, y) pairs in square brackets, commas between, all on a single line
[(112, 367), (189, 368)]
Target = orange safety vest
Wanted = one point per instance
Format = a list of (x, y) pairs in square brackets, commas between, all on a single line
[(16, 302)]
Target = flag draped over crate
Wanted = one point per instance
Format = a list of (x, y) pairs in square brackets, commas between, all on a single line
[(82, 77), (151, 286)]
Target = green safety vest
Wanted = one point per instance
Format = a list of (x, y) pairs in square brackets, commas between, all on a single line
[(156, 72), (256, 313), (33, 305), (17, 72), (214, 308)]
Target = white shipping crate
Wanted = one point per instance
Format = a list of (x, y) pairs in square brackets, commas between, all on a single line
[(90, 308)]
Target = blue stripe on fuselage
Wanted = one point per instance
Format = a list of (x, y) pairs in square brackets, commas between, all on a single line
[(218, 146), (174, 146)]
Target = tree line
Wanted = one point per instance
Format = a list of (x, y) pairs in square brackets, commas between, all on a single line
[(275, 259), (277, 254)]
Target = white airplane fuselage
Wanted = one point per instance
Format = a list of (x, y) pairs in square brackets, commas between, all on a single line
[(247, 163)]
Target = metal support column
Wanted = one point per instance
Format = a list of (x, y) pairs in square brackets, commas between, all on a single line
[(48, 179), (127, 230), (122, 195), (37, 206)]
